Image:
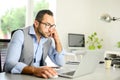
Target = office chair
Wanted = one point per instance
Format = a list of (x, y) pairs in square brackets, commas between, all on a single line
[(0, 63), (3, 47)]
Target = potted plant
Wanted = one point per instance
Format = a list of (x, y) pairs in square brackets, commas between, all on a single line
[(118, 44), (93, 42)]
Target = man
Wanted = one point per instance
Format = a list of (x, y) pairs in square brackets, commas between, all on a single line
[(29, 46)]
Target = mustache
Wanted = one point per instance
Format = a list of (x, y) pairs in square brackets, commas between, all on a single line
[(47, 34)]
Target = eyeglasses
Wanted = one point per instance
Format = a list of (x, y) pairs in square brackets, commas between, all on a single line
[(48, 25)]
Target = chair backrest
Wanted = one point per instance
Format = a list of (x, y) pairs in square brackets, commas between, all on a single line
[(0, 63), (3, 50)]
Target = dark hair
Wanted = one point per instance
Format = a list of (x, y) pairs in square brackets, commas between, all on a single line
[(41, 13)]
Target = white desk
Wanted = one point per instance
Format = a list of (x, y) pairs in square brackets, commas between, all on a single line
[(100, 74)]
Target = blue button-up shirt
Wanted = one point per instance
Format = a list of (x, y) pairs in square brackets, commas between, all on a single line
[(15, 48)]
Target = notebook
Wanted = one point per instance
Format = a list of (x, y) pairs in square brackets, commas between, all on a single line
[(87, 65)]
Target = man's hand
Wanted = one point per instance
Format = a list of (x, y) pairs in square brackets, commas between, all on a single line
[(55, 36), (43, 72)]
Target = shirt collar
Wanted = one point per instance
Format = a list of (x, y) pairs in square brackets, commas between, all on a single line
[(31, 31)]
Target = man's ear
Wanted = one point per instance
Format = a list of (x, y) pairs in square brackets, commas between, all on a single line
[(36, 23)]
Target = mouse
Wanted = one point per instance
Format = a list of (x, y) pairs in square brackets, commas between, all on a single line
[(56, 76)]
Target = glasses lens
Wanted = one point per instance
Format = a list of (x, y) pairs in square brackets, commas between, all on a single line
[(48, 25)]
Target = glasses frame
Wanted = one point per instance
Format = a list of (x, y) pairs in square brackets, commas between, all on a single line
[(47, 25)]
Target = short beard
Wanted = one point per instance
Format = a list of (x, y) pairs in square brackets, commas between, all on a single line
[(41, 34)]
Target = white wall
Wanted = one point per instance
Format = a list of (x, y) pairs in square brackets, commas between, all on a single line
[(82, 16)]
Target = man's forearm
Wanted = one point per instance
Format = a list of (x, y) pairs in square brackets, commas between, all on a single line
[(28, 70), (45, 71), (58, 46)]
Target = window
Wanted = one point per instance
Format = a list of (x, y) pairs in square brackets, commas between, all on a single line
[(16, 14)]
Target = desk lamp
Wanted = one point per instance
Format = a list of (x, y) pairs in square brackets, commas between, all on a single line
[(108, 18)]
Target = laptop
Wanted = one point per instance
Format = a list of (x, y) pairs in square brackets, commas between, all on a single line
[(87, 65)]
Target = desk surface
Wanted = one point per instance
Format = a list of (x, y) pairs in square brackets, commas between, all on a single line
[(100, 74)]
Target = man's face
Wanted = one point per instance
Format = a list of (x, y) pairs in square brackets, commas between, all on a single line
[(46, 25)]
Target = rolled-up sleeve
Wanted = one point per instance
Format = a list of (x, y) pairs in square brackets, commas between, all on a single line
[(59, 58), (18, 68)]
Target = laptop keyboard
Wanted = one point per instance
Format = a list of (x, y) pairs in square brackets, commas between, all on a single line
[(69, 73), (73, 62)]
